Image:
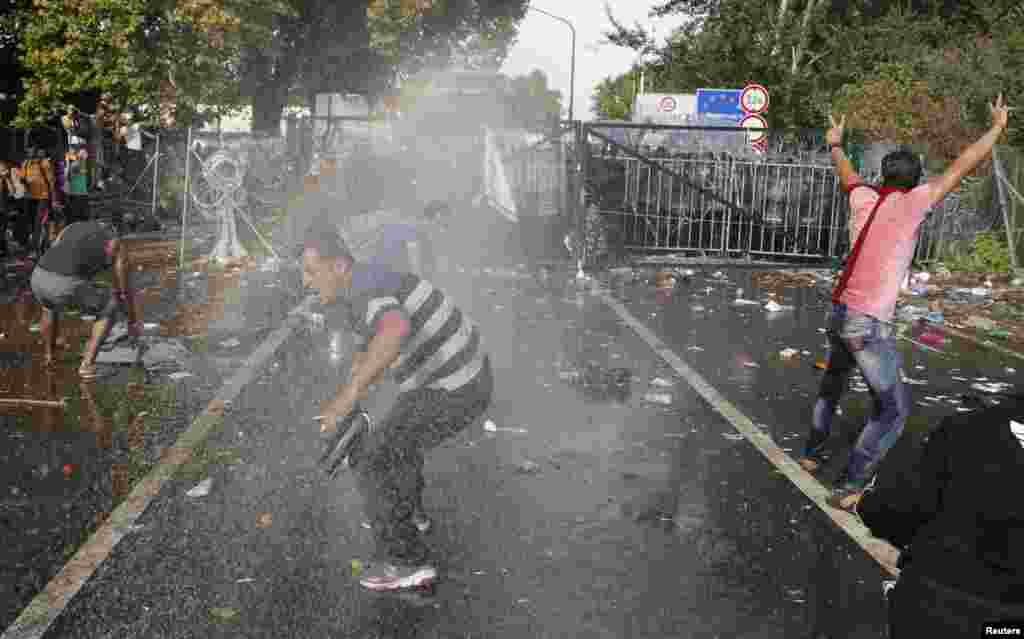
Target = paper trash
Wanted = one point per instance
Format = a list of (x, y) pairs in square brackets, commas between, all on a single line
[(789, 352), (202, 489)]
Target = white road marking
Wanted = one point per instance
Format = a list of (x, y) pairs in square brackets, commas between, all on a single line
[(43, 610), (884, 553)]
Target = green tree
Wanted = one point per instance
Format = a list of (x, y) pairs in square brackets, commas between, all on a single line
[(806, 50), (613, 97), (535, 106), (364, 45), (141, 51)]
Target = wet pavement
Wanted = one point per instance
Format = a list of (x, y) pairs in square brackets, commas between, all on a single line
[(611, 500)]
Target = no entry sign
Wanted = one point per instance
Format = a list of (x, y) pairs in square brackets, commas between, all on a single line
[(754, 99)]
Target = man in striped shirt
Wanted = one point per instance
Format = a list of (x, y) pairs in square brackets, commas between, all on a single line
[(444, 377)]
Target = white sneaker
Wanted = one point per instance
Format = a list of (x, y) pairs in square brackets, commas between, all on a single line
[(385, 577)]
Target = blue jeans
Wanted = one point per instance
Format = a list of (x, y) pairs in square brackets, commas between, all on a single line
[(869, 344)]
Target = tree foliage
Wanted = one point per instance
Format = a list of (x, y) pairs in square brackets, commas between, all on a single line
[(228, 53), (613, 97), (534, 105), (140, 51), (364, 45), (921, 70)]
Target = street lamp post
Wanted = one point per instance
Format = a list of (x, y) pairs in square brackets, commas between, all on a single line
[(572, 64)]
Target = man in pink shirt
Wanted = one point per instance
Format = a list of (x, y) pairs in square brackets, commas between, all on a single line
[(886, 222)]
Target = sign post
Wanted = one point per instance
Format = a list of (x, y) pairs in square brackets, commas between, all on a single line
[(754, 102)]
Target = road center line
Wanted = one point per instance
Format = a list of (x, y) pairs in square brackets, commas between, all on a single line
[(882, 552), (43, 610)]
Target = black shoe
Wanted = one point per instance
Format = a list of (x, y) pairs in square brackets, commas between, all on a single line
[(813, 456)]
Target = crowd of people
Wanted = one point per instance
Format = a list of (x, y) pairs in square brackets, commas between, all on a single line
[(375, 267)]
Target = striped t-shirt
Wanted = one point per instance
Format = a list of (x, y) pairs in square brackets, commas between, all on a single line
[(443, 349)]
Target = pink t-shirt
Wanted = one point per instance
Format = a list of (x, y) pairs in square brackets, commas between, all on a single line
[(885, 257)]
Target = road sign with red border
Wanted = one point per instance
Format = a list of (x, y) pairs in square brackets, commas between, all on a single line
[(667, 104), (754, 121), (754, 99)]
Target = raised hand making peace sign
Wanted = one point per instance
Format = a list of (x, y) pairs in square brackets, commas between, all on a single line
[(834, 137)]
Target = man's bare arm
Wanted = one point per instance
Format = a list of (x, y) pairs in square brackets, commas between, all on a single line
[(848, 177), (974, 154)]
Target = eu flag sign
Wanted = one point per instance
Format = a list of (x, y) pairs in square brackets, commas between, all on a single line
[(720, 104)]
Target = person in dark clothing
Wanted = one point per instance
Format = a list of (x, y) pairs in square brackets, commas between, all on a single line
[(951, 506), (444, 378), (7, 203), (64, 276)]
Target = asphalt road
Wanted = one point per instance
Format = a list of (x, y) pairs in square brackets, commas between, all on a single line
[(610, 516)]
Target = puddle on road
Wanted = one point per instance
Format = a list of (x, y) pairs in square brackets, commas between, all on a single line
[(66, 469)]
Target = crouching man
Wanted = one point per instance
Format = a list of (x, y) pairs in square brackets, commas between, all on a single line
[(434, 352), (66, 274)]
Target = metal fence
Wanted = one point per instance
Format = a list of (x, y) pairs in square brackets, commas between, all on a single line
[(741, 205)]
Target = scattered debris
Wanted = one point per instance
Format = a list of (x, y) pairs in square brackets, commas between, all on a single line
[(202, 489), (658, 398), (739, 301), (661, 383), (980, 323), (787, 353), (247, 580), (751, 364), (528, 468), (718, 275), (1011, 370), (88, 318), (733, 437), (266, 520), (224, 614), (992, 387), (914, 382), (695, 348), (34, 328), (491, 427), (231, 343), (39, 403), (773, 307), (180, 375)]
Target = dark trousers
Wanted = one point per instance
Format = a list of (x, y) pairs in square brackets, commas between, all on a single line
[(920, 607), (77, 209), (390, 468), (23, 224), (5, 216)]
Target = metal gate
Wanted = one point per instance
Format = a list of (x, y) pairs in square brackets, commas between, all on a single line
[(732, 204)]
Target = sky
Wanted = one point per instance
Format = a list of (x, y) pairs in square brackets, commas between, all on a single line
[(545, 43)]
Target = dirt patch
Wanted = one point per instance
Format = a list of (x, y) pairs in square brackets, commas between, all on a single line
[(778, 281), (1003, 307)]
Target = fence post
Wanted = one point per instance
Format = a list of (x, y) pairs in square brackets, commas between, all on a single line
[(997, 167), (187, 197), (579, 197)]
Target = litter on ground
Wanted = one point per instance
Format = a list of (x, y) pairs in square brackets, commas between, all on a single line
[(202, 489), (787, 353), (661, 383), (658, 398)]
